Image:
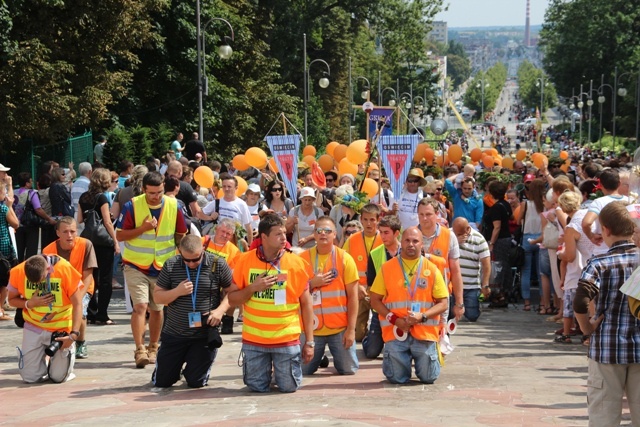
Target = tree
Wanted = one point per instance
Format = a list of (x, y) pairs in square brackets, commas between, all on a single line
[(459, 68)]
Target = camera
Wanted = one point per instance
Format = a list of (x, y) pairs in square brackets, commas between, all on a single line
[(53, 348), (214, 340)]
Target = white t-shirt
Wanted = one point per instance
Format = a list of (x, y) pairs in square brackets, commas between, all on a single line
[(376, 199), (408, 208), (237, 209), (596, 207), (255, 216), (584, 250)]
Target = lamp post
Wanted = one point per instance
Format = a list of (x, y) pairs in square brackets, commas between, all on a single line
[(590, 104), (420, 107), (323, 83), (392, 101), (224, 51), (366, 93), (541, 84), (482, 85), (407, 99)]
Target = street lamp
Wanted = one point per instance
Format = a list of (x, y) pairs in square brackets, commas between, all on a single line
[(541, 84), (407, 102), (366, 92), (224, 51), (392, 101), (482, 85), (323, 83)]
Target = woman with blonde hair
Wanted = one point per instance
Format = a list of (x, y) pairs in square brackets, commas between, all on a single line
[(95, 199)]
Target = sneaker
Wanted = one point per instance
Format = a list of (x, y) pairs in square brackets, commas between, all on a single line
[(141, 357), (152, 352), (81, 350), (324, 362), (227, 325), (240, 318)]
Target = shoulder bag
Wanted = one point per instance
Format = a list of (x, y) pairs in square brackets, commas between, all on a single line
[(29, 217), (94, 228)]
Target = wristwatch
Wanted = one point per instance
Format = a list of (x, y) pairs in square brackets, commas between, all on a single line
[(76, 333), (311, 344)]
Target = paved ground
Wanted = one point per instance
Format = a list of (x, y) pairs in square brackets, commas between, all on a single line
[(505, 371)]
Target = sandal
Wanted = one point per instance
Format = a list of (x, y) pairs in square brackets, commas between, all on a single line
[(542, 310), (563, 339), (107, 322), (527, 307)]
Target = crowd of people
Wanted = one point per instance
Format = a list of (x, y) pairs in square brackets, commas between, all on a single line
[(330, 271)]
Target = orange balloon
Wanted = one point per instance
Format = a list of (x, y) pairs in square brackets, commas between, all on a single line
[(242, 186), (326, 162), (507, 162), (429, 154), (273, 165), (203, 176), (373, 166), (309, 150), (476, 154), (357, 151), (439, 160), (539, 160), (240, 163), (564, 155), (309, 160), (340, 152), (345, 166), (487, 161), (419, 154), (455, 153), (220, 194), (521, 154), (564, 167), (256, 157), (331, 146), (494, 152), (370, 187)]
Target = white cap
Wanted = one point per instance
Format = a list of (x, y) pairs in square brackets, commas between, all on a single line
[(3, 168), (307, 192), (254, 188)]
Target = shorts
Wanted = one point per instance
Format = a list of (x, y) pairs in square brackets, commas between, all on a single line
[(141, 287), (545, 263), (567, 303)]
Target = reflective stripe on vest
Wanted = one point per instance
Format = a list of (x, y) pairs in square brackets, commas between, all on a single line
[(153, 247), (332, 312), (76, 257), (398, 301)]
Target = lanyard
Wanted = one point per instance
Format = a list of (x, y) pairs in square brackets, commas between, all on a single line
[(411, 289), (333, 261), (195, 286), (364, 242), (49, 289)]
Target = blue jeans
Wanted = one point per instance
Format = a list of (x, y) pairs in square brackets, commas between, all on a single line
[(372, 344), (344, 359), (471, 304), (530, 268), (396, 365), (261, 362)]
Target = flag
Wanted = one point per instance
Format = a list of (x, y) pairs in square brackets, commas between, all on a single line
[(381, 116), (284, 149), (396, 153)]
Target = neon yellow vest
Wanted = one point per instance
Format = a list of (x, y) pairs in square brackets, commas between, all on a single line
[(152, 247)]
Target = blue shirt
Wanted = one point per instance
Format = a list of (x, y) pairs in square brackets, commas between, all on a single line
[(472, 208)]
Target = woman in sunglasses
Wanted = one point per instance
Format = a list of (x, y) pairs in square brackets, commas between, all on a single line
[(275, 200)]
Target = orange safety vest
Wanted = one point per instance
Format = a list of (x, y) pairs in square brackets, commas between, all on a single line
[(63, 281), (266, 323), (229, 252), (399, 301), (360, 253), (440, 248), (76, 258), (332, 312)]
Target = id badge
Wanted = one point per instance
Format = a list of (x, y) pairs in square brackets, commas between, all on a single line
[(195, 320), (415, 307), (280, 297), (317, 297)]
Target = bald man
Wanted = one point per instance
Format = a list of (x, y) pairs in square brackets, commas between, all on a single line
[(475, 266)]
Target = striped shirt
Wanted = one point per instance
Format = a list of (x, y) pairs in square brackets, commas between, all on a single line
[(471, 253), (208, 295), (617, 339)]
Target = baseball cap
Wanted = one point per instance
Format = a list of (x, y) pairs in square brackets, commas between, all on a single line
[(3, 168), (529, 177), (254, 188), (307, 192)]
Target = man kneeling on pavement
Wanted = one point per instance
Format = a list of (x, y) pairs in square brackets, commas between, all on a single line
[(49, 291), (409, 296)]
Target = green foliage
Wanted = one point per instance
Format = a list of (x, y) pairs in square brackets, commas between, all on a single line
[(459, 68), (141, 142), (162, 135), (117, 147), (493, 79), (529, 80)]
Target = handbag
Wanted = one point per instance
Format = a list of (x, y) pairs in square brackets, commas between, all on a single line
[(29, 217), (550, 235), (94, 228)]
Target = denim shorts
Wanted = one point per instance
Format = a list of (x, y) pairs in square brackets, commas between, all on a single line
[(567, 302), (545, 263)]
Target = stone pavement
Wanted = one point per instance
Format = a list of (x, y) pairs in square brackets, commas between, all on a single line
[(505, 371)]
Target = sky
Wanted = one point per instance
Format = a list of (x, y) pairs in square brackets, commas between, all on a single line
[(482, 13)]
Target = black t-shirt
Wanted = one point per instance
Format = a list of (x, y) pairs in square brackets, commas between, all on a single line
[(208, 296), (187, 195), (500, 211), (191, 148), (87, 201)]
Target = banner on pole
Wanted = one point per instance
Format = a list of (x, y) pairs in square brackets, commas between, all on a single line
[(383, 116), (396, 153), (284, 149)]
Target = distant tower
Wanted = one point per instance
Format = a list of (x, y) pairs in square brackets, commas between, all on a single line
[(527, 27)]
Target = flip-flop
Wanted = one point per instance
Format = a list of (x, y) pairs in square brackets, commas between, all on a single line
[(527, 307)]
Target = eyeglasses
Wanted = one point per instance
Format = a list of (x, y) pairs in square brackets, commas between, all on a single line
[(324, 230), (273, 190), (187, 260)]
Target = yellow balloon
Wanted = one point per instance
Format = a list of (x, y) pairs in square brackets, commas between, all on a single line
[(357, 151), (345, 166), (370, 187), (203, 176), (256, 157)]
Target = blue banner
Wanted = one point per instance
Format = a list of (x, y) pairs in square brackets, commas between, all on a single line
[(284, 149), (381, 118)]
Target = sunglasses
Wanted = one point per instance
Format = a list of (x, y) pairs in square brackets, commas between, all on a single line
[(273, 190), (413, 181), (324, 230), (350, 232), (187, 260), (431, 194), (439, 189), (329, 179), (114, 180)]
